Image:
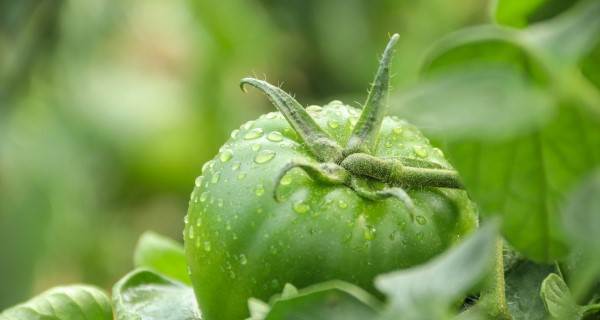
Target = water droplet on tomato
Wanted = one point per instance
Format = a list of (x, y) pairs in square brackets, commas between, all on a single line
[(314, 108), (420, 151), (260, 190), (264, 156), (300, 207), (254, 134), (286, 180), (369, 233), (204, 196), (248, 125), (275, 136), (226, 155), (206, 166)]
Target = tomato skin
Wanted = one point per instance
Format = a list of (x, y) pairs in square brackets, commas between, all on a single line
[(241, 243)]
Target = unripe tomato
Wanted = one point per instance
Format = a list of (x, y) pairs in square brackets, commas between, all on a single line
[(241, 242)]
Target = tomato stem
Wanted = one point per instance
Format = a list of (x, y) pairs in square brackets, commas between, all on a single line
[(394, 172), (323, 147), (367, 128)]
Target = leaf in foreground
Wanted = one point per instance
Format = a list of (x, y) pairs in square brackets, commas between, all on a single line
[(428, 291), (324, 301), (525, 173), (523, 284), (581, 219), (64, 303), (559, 301), (162, 255), (143, 294)]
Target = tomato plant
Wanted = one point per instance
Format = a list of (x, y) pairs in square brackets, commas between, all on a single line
[(283, 202), (333, 212)]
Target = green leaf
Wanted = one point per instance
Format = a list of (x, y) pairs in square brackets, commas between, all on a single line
[(558, 299), (324, 301), (64, 303), (523, 284), (524, 173), (258, 309), (143, 294), (568, 37), (582, 226), (427, 291), (458, 103), (162, 255), (520, 13)]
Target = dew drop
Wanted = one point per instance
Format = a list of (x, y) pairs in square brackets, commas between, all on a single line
[(286, 180), (333, 124), (254, 134), (235, 133), (204, 196), (275, 136), (207, 246), (335, 102), (264, 156), (420, 151), (226, 155), (369, 233), (243, 259), (300, 207), (215, 177), (198, 181), (314, 108), (241, 176), (186, 219), (342, 204), (191, 232), (260, 190), (206, 166), (248, 125), (421, 220)]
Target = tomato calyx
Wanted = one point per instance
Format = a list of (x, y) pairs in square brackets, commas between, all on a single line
[(371, 177)]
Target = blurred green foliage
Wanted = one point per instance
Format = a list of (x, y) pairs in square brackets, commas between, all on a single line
[(109, 108)]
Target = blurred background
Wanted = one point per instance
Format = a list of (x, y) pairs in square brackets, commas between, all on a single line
[(108, 109)]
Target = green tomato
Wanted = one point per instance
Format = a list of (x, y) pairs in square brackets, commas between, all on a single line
[(241, 242)]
